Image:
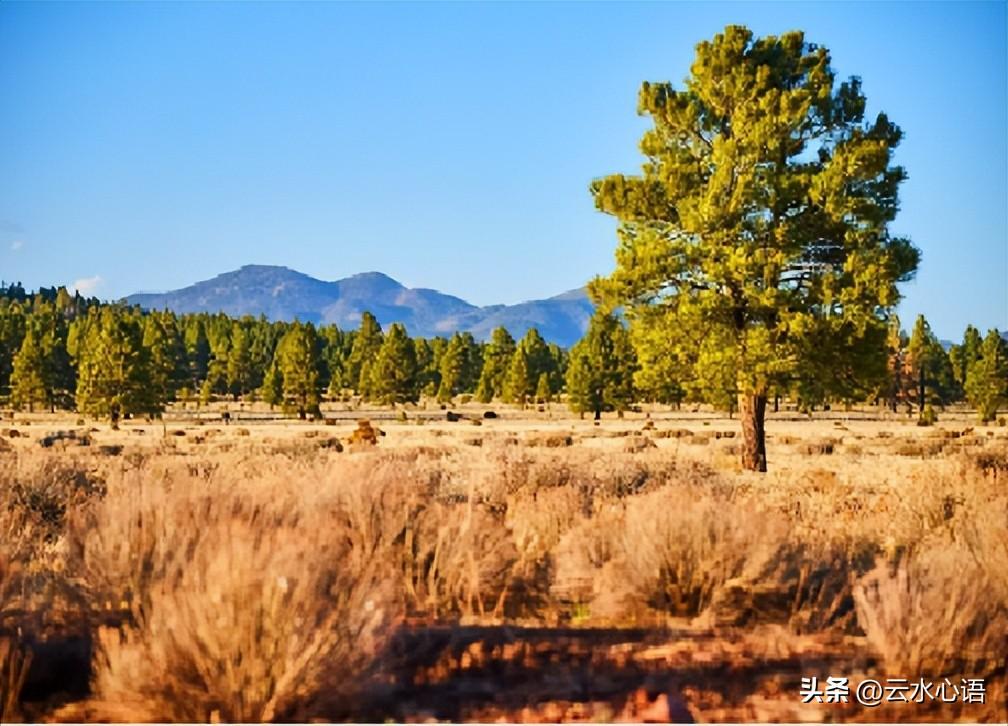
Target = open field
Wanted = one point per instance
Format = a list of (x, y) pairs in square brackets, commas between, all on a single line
[(528, 567)]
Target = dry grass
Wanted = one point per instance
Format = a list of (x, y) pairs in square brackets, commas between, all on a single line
[(933, 613), (236, 576)]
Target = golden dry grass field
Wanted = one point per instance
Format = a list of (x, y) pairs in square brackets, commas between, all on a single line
[(528, 567)]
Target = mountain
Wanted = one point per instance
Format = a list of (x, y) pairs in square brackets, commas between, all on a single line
[(280, 293)]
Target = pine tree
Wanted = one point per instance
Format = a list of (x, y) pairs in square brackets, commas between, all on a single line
[(930, 368), (12, 332), (366, 344), (263, 338), (899, 374), (453, 368), (239, 362), (428, 376), (393, 375), (517, 388), (755, 243), (197, 349), (583, 390), (601, 372), (537, 354), (332, 340), (272, 389), (496, 358), (299, 365), (472, 362), (113, 377), (165, 349), (987, 377), (962, 356), (28, 379), (219, 336), (557, 368), (542, 392)]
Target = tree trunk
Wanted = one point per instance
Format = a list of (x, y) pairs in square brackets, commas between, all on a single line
[(752, 413)]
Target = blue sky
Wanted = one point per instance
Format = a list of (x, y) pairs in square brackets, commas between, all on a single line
[(147, 146)]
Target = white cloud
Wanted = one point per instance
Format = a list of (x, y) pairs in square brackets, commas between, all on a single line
[(16, 245), (86, 285)]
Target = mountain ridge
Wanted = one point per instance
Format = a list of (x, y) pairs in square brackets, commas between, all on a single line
[(280, 293)]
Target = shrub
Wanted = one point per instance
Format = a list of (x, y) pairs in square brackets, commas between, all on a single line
[(680, 547), (244, 606), (933, 613), (928, 417)]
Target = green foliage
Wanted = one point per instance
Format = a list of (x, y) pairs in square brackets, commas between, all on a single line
[(428, 375), (297, 357), (28, 380), (987, 377), (334, 357), (239, 362), (517, 388), (496, 359), (366, 344), (272, 388), (197, 349), (962, 356), (42, 373), (113, 373), (930, 367), (168, 368), (542, 392), (601, 373), (756, 238), (928, 416), (394, 373), (459, 367), (12, 331)]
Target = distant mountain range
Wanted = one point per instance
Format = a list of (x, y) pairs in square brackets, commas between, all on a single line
[(280, 293)]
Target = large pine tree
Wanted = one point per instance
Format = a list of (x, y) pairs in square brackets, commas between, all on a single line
[(755, 242)]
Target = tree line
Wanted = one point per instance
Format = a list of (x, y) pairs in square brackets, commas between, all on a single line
[(59, 351)]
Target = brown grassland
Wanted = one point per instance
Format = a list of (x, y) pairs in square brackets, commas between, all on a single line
[(533, 567)]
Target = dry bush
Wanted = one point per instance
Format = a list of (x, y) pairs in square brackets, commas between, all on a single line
[(15, 658), (933, 613), (539, 519), (680, 547), (820, 447), (36, 493), (241, 579), (247, 600), (457, 559), (810, 585), (585, 570)]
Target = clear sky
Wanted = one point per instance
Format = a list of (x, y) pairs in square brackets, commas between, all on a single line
[(147, 146)]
